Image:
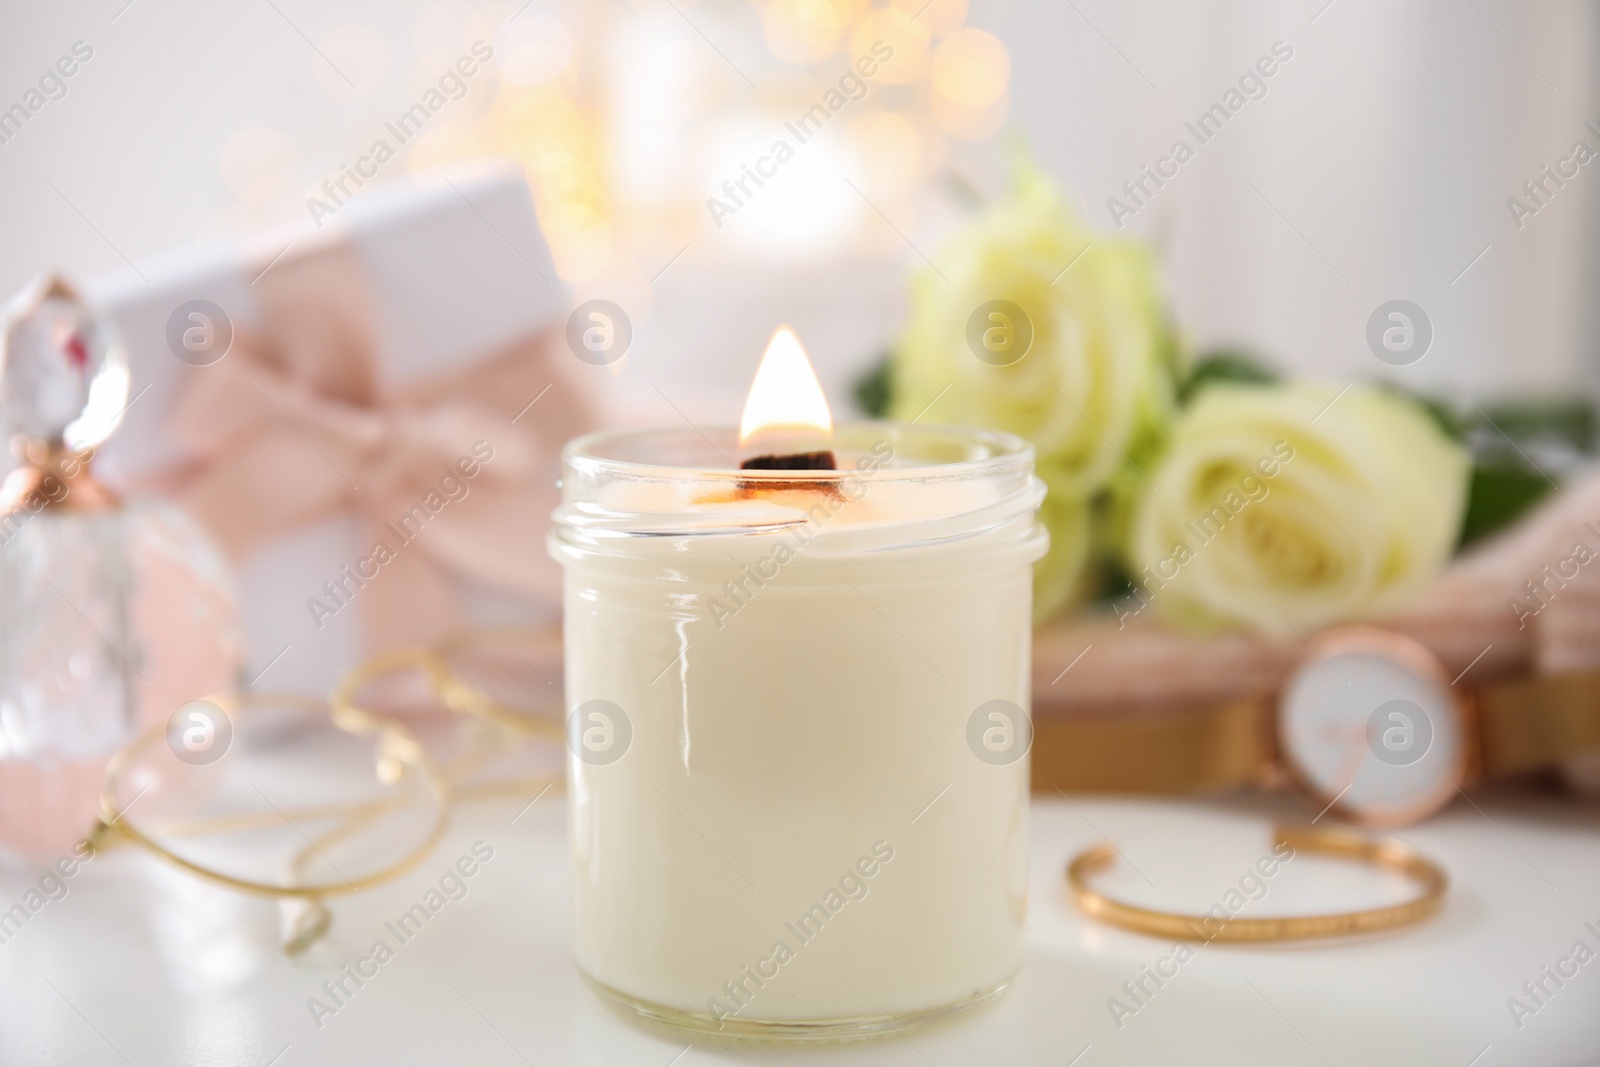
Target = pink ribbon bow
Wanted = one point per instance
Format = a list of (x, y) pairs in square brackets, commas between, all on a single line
[(295, 425)]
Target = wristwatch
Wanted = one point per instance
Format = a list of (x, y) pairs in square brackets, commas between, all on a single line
[(1370, 725)]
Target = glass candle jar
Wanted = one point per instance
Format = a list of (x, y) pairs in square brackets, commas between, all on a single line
[(796, 725)]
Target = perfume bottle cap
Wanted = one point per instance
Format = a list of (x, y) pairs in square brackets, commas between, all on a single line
[(63, 370)]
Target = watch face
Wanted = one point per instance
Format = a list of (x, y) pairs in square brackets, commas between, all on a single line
[(1372, 726)]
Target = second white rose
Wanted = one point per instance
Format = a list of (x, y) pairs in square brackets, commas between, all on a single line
[(1284, 508)]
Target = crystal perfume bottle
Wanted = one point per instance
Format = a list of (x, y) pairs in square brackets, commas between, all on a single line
[(111, 614)]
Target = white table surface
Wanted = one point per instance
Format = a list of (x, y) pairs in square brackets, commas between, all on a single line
[(140, 964)]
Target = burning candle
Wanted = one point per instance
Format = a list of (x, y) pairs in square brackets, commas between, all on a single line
[(796, 668)]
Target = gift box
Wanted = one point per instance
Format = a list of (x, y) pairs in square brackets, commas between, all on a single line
[(367, 415)]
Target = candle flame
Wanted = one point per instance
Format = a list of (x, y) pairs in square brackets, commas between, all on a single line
[(785, 394)]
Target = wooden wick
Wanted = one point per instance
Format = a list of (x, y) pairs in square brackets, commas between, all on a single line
[(822, 460), (795, 461)]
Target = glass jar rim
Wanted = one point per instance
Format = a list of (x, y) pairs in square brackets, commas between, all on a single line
[(989, 453), (933, 484)]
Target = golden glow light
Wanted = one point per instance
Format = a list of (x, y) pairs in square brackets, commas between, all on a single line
[(969, 123), (971, 69), (804, 32), (938, 17), (908, 39), (891, 150), (785, 396)]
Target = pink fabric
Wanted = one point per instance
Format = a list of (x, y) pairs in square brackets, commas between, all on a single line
[(294, 425)]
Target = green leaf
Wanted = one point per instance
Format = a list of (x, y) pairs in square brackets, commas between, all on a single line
[(1225, 365), (1114, 581), (1499, 495), (1569, 419), (873, 389), (1506, 482)]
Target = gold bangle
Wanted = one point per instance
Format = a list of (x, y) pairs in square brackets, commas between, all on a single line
[(456, 696), (397, 751), (464, 696), (455, 693), (357, 719), (1385, 853)]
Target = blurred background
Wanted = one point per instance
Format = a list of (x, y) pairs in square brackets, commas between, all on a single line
[(1338, 156), (1375, 163)]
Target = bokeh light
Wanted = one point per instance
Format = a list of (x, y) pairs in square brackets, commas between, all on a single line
[(971, 69), (804, 32), (625, 122), (908, 39), (937, 17), (559, 143), (894, 155), (969, 123)]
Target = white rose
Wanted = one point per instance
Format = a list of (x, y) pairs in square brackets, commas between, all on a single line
[(1290, 507), (1093, 391), (1094, 387)]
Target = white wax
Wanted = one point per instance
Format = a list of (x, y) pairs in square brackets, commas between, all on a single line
[(804, 754)]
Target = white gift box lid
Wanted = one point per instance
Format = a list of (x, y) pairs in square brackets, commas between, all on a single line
[(456, 267), (455, 263)]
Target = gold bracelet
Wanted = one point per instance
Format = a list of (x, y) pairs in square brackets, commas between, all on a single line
[(456, 695), (1389, 854), (462, 695), (398, 753)]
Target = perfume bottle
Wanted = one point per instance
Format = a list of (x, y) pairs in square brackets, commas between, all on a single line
[(112, 614)]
